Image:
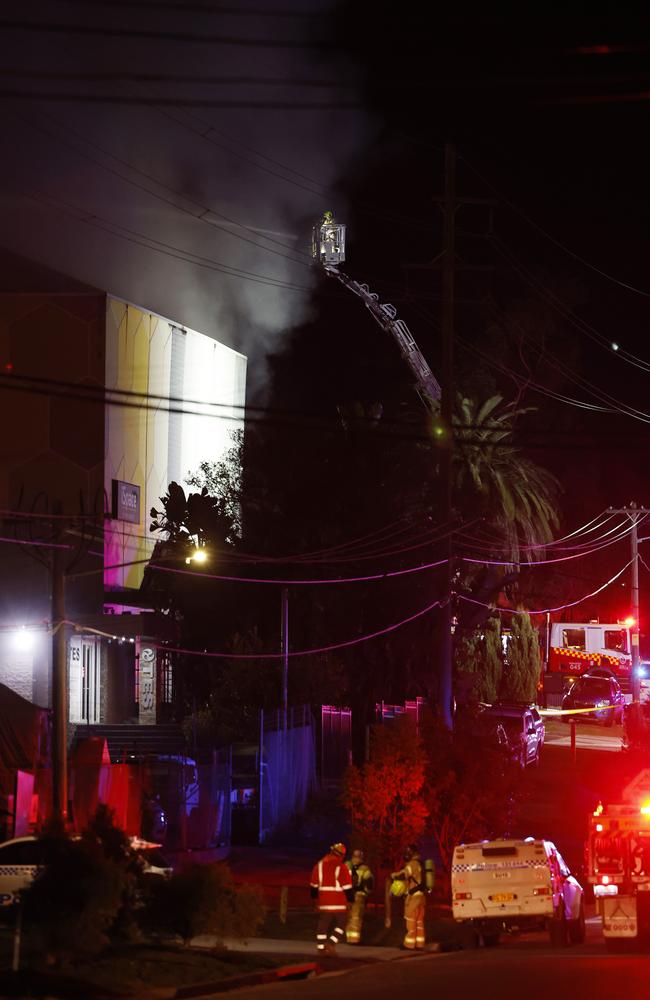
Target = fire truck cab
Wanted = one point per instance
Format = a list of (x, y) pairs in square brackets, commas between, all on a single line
[(576, 647), (618, 864)]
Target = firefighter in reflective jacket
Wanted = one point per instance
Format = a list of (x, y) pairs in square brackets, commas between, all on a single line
[(331, 885), (362, 883), (412, 875)]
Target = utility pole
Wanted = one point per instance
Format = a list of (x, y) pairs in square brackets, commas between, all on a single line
[(284, 633), (59, 688), (636, 514), (447, 409), (448, 264)]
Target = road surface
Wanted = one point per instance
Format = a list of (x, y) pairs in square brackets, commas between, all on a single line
[(519, 968), (589, 735)]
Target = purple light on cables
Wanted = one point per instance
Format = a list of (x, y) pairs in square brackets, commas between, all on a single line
[(302, 583), (305, 652)]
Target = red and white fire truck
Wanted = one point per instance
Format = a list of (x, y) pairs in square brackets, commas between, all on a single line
[(576, 647), (618, 864)]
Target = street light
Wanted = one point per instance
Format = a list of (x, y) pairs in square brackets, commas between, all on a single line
[(198, 556)]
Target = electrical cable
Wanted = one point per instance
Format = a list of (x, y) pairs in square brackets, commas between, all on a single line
[(545, 562), (178, 101), (580, 324), (136, 34), (157, 246), (388, 574), (604, 274), (545, 611), (129, 76), (291, 653), (201, 8), (303, 260), (40, 543), (590, 526)]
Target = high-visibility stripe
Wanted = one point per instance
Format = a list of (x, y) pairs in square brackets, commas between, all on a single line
[(336, 907)]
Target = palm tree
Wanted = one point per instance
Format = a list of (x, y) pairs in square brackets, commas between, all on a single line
[(516, 496)]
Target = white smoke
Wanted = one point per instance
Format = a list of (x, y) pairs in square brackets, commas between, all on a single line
[(269, 171)]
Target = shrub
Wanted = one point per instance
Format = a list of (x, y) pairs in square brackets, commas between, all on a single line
[(384, 798), (523, 661), (472, 789), (74, 902), (203, 899)]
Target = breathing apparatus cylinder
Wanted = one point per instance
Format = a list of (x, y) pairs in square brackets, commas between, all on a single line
[(429, 874)]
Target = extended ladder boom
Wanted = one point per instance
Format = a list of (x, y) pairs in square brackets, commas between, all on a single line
[(385, 314), (328, 248)]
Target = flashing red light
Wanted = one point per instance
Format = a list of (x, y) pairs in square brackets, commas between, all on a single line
[(9, 366), (604, 880), (599, 827), (630, 622)]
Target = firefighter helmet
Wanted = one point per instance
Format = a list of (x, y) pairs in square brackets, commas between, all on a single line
[(398, 887), (338, 849)]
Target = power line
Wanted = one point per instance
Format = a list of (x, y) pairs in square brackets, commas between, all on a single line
[(130, 76), (299, 652), (158, 246), (386, 575), (564, 310), (204, 210), (204, 38), (546, 611), (66, 97), (553, 239), (202, 8)]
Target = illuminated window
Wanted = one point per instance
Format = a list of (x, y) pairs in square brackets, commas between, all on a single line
[(166, 678), (573, 638), (616, 639)]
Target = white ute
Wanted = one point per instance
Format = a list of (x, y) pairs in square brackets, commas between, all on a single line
[(508, 885)]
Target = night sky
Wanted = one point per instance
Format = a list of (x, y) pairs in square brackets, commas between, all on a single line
[(550, 119)]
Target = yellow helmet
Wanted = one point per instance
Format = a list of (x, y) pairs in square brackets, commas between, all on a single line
[(398, 887), (338, 849)]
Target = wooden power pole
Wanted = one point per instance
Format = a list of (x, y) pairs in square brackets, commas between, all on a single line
[(445, 693), (59, 687)]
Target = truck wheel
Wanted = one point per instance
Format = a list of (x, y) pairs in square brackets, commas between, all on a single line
[(577, 929), (491, 940), (558, 929)]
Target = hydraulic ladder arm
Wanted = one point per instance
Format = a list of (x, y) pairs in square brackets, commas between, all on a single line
[(328, 248)]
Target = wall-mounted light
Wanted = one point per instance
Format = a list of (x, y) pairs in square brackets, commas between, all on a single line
[(23, 639)]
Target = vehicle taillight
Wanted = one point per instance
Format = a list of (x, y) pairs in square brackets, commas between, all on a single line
[(543, 890), (462, 895)]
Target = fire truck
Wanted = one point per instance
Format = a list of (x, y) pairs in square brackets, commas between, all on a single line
[(576, 647), (618, 864)]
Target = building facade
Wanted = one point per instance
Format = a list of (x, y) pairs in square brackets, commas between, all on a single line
[(104, 403)]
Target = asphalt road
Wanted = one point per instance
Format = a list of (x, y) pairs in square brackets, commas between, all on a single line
[(526, 967), (589, 735)]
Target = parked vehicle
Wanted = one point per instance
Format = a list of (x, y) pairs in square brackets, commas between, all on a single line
[(23, 857), (508, 885), (600, 692), (577, 647), (524, 728)]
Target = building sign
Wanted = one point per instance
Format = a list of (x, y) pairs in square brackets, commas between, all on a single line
[(126, 502), (147, 686)]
